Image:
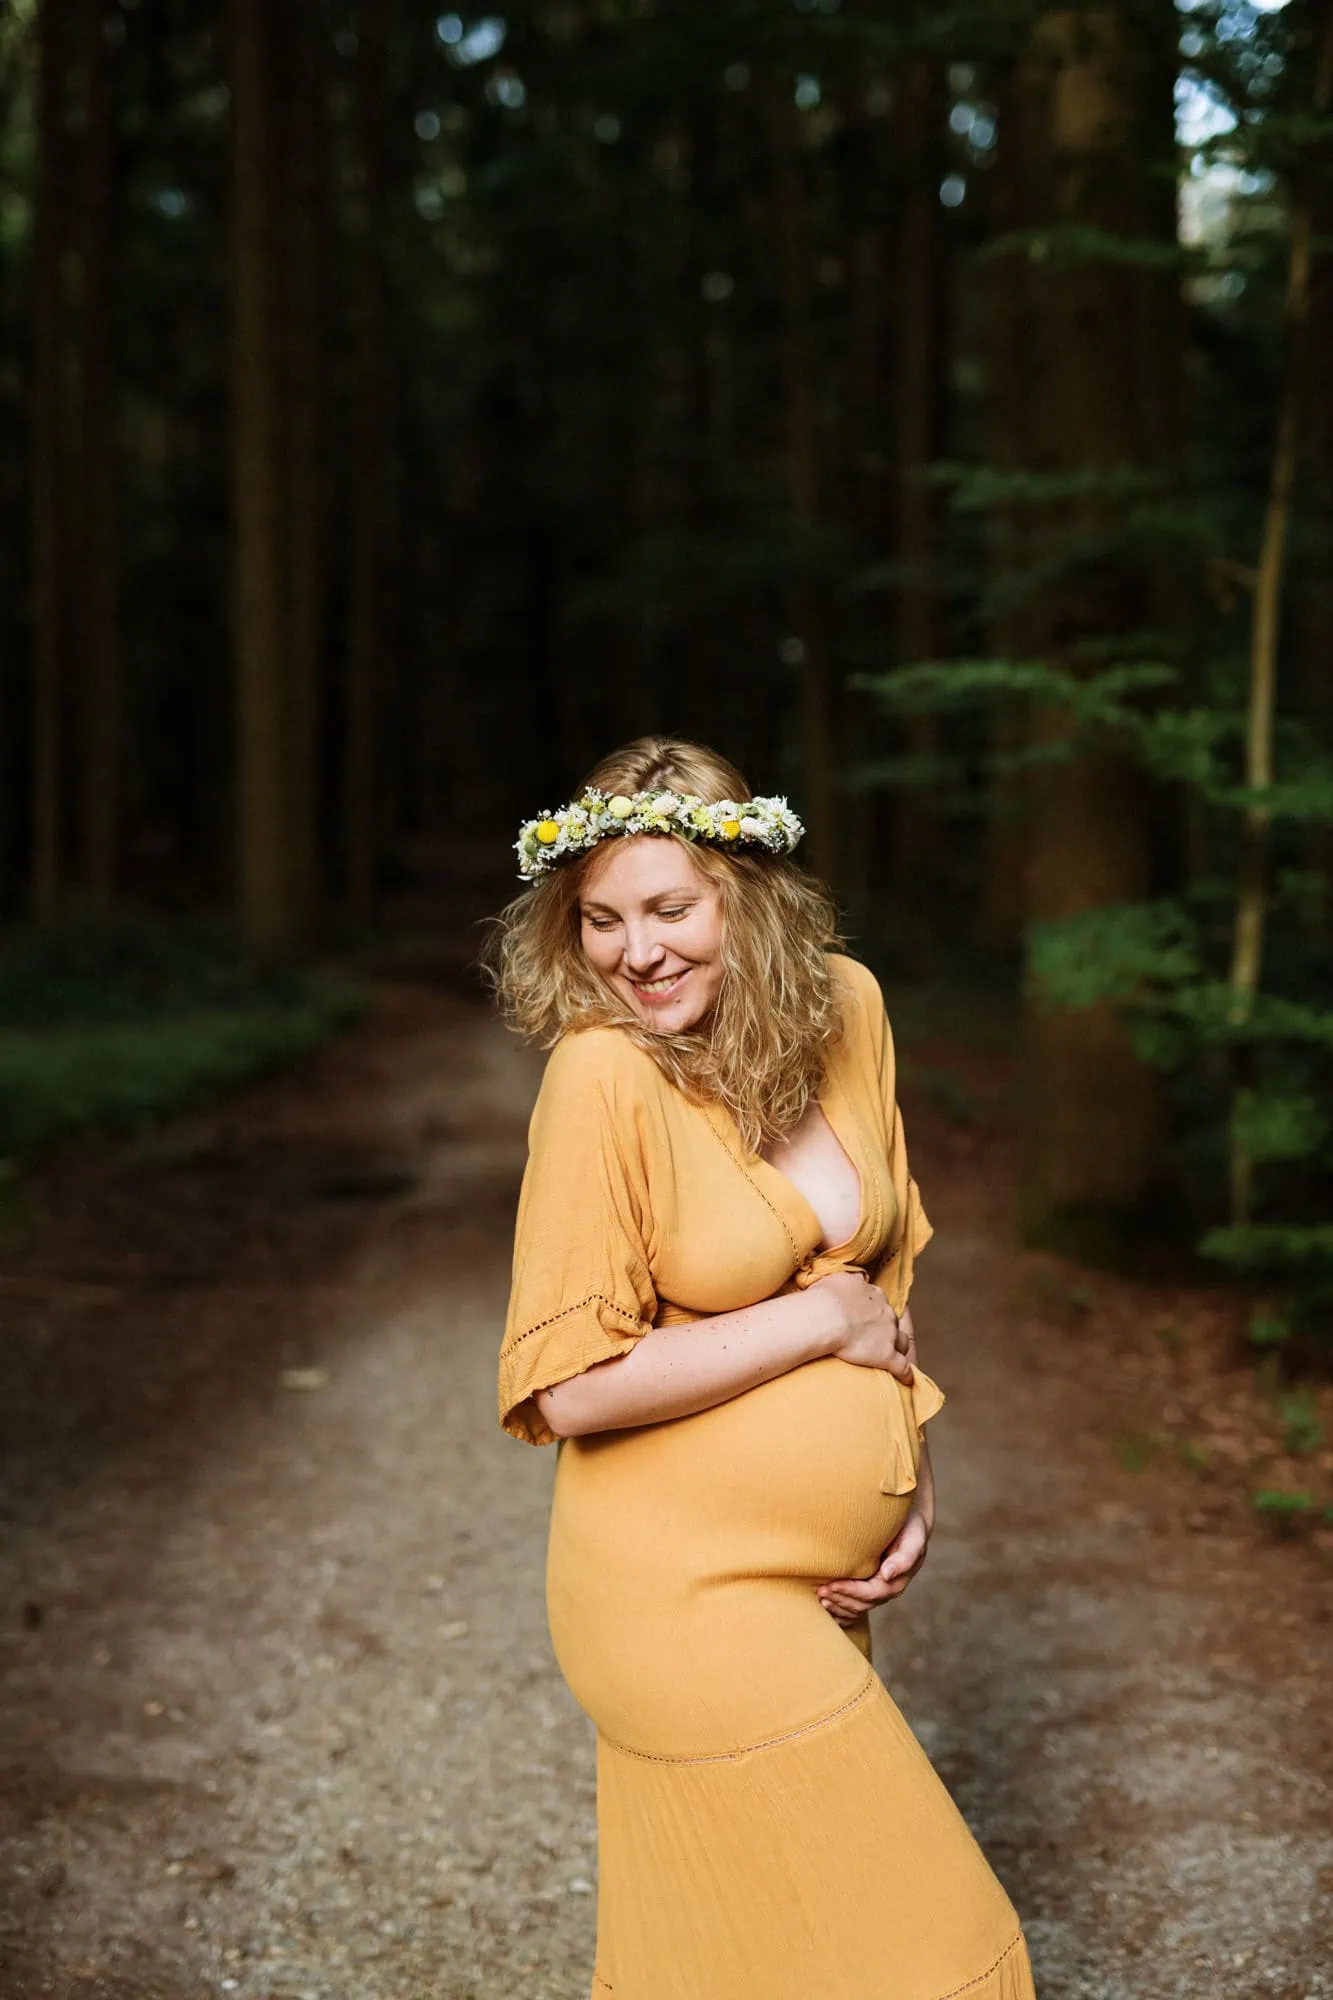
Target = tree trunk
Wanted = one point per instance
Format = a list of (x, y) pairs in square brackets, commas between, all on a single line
[(1011, 450), (278, 581), (921, 355), (372, 469), (301, 191), (1094, 96), (99, 667), (52, 445), (807, 640), (266, 904)]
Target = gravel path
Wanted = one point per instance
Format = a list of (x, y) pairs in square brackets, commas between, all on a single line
[(279, 1712)]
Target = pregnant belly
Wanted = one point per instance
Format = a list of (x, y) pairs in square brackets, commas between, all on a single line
[(683, 1558)]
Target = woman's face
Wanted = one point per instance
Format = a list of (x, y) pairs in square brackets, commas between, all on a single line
[(651, 923)]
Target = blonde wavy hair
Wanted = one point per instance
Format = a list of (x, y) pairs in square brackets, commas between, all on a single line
[(764, 1049)]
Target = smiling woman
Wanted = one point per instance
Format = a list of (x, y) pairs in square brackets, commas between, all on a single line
[(758, 1037), (714, 1249), (652, 926)]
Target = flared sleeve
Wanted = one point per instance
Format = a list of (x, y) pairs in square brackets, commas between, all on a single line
[(911, 1230), (582, 1291)]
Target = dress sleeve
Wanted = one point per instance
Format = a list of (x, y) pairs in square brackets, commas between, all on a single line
[(581, 1291), (911, 1230)]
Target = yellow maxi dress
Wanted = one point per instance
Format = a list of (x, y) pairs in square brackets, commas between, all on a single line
[(768, 1826)]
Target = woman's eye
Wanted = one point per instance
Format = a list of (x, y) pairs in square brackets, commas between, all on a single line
[(682, 912)]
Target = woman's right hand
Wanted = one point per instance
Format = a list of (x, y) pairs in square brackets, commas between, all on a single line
[(867, 1331)]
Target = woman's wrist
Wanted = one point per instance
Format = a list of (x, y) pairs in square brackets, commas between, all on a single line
[(825, 1321)]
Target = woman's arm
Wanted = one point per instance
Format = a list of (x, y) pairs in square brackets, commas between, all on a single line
[(676, 1371)]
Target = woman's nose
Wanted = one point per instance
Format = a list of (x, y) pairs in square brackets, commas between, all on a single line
[(642, 950)]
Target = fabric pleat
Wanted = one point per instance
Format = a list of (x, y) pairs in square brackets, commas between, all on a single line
[(831, 1865)]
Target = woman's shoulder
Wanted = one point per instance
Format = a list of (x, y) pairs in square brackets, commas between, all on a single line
[(602, 1061), (859, 984)]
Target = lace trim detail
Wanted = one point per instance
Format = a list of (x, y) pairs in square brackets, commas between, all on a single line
[(867, 1687), (631, 1321), (981, 1977), (775, 1212)]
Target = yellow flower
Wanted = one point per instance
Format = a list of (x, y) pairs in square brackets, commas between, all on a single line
[(620, 807), (547, 832), (729, 829)]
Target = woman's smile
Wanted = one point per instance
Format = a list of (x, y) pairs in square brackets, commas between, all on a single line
[(651, 923), (662, 988)]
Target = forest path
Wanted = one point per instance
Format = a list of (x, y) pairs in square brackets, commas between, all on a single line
[(280, 1713)]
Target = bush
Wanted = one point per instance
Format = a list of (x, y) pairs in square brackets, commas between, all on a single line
[(110, 1029)]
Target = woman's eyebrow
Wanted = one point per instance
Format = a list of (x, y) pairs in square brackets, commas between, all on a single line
[(650, 902)]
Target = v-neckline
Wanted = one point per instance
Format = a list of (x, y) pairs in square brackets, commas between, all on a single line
[(808, 1223)]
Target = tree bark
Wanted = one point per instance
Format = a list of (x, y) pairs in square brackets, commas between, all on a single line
[(302, 193), (921, 353), (372, 470), (808, 638), (278, 576), (262, 769), (1100, 382), (52, 421), (99, 667)]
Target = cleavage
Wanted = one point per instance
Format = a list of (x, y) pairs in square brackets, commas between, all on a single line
[(813, 1159)]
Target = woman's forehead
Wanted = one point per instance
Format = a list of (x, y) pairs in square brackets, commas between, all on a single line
[(641, 865)]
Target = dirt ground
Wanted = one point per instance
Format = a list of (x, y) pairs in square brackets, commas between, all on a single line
[(279, 1713)]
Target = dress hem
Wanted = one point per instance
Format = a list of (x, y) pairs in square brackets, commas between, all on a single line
[(600, 1984)]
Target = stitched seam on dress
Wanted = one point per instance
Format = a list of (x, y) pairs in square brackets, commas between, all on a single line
[(953, 1993), (775, 1212), (747, 1749), (967, 1986), (593, 1299)]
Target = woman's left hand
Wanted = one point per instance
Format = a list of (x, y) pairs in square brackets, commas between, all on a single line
[(847, 1597)]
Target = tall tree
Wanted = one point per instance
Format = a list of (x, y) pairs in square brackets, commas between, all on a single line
[(100, 676), (278, 576), (1097, 377), (808, 639), (921, 352), (371, 497), (53, 595)]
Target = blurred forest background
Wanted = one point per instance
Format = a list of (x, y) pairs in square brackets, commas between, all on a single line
[(929, 405)]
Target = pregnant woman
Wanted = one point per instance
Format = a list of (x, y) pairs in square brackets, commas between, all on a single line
[(709, 1310)]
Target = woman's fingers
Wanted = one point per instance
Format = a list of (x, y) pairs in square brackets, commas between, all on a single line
[(850, 1596), (906, 1552)]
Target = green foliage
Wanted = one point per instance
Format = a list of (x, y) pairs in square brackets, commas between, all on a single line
[(1302, 1431), (109, 1029), (1145, 954), (1282, 1507), (1269, 1330), (1278, 1128), (1135, 1450), (1254, 1248)]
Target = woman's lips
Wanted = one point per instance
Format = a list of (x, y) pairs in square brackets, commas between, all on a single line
[(658, 993)]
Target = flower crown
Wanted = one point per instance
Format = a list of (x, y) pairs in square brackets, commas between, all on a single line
[(542, 843)]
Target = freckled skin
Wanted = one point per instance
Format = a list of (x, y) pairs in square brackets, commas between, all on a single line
[(649, 915)]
